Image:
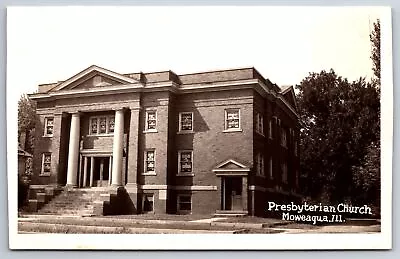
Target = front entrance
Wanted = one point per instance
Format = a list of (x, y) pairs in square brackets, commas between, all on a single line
[(101, 172), (96, 171), (232, 193)]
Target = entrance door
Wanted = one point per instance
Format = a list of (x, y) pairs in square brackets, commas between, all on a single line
[(101, 171), (232, 193)]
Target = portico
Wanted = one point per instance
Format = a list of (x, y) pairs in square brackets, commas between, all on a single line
[(96, 166)]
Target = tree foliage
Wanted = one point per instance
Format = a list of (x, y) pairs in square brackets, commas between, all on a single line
[(27, 118), (375, 38), (339, 123)]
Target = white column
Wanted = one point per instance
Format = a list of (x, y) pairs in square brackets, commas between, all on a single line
[(85, 161), (109, 171), (101, 171), (73, 152), (117, 148), (91, 170)]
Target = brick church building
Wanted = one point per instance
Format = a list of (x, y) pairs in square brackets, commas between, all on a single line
[(217, 142)]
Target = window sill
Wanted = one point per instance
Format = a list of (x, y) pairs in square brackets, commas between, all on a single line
[(232, 130), (150, 131), (101, 135), (185, 174), (261, 134), (260, 175), (44, 174), (47, 136), (185, 132), (149, 173)]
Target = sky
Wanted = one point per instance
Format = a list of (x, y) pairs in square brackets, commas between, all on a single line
[(285, 44)]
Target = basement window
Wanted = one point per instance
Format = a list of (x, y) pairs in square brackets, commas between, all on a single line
[(148, 203), (184, 203)]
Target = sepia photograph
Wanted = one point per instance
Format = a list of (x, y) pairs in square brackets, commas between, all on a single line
[(129, 126)]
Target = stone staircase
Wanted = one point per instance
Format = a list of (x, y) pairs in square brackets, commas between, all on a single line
[(79, 202)]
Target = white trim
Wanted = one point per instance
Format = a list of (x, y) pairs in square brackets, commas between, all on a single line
[(42, 173), (150, 110), (180, 173), (270, 131), (152, 187), (178, 187), (96, 152), (231, 161), (260, 118), (90, 70), (226, 118), (231, 170), (45, 126), (145, 172), (180, 130)]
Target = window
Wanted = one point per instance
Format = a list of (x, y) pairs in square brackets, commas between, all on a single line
[(46, 164), (260, 123), (48, 126), (101, 125), (150, 160), (259, 164), (185, 162), (148, 203), (283, 138), (184, 203), (284, 173), (232, 120), (151, 121), (271, 171), (186, 121), (270, 129)]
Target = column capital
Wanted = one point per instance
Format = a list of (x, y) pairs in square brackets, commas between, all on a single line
[(76, 114), (121, 109)]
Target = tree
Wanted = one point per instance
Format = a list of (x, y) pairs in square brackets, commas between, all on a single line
[(375, 38), (339, 123), (367, 176), (27, 118)]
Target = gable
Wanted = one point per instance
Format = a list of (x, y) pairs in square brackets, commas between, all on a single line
[(94, 80), (290, 96), (94, 76)]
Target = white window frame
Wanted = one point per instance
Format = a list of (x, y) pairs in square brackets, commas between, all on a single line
[(283, 137), (42, 172), (145, 172), (146, 129), (270, 129), (46, 119), (226, 120), (153, 200), (260, 124), (179, 163), (178, 201), (271, 168), (284, 173), (108, 133), (260, 164), (180, 123)]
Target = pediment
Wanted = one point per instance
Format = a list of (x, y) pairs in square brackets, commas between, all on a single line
[(231, 164), (92, 77), (290, 97)]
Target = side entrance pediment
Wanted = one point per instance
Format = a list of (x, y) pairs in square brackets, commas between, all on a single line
[(231, 167)]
